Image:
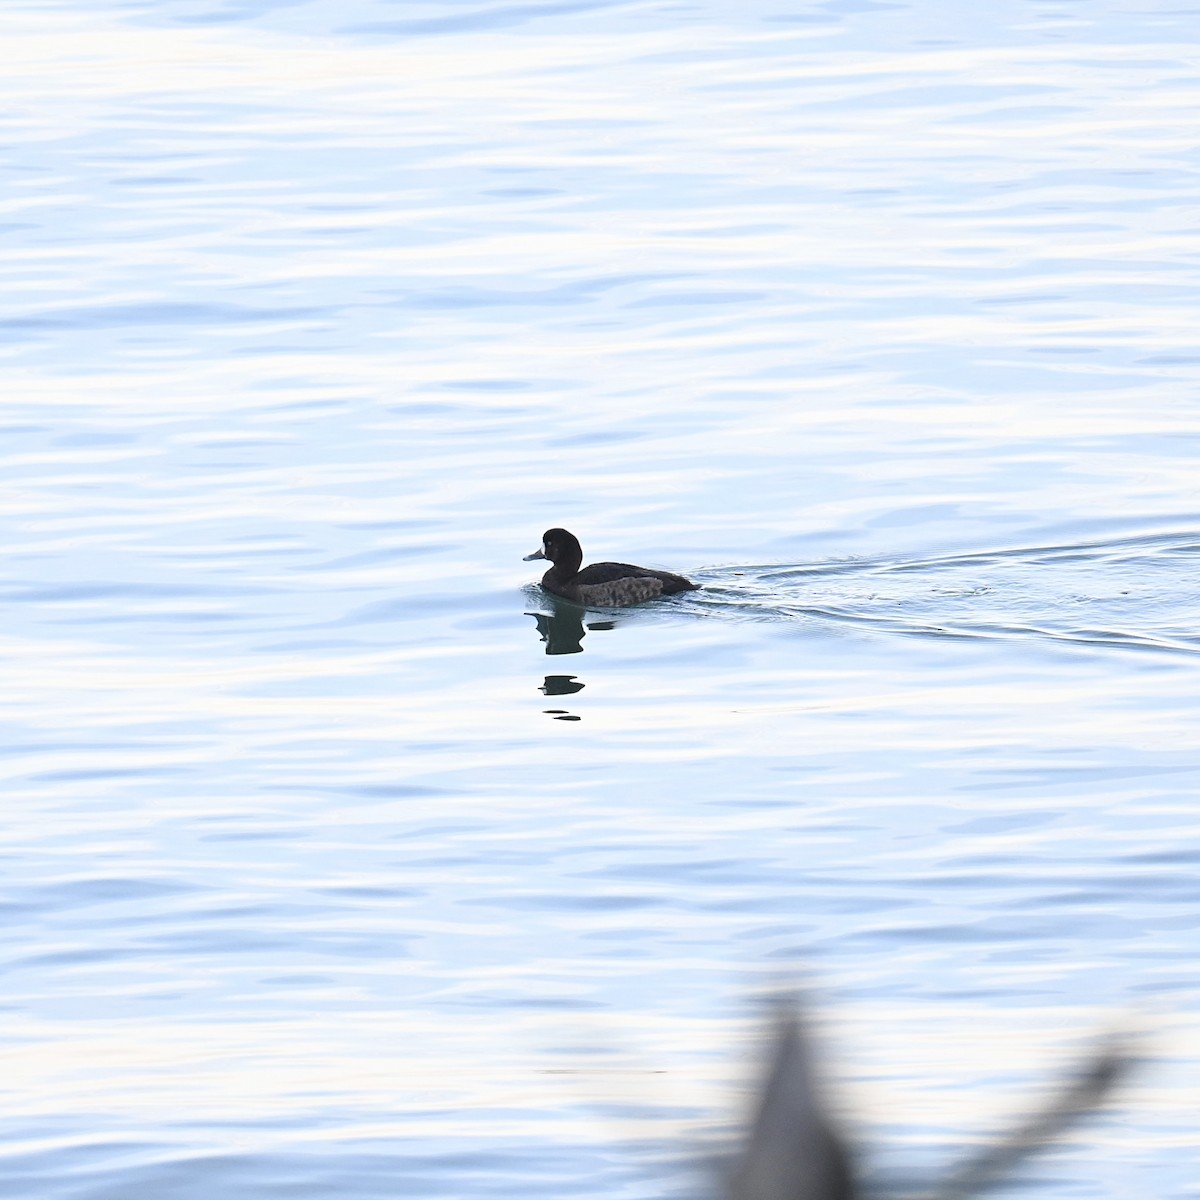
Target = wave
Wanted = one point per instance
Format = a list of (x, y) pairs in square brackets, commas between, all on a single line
[(1130, 593)]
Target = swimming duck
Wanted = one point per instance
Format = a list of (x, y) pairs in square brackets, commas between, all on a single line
[(606, 584)]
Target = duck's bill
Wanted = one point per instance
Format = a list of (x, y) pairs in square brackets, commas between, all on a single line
[(535, 554)]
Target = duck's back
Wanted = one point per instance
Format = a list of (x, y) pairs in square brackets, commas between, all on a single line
[(614, 585)]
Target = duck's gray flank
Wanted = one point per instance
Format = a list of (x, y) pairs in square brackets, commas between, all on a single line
[(620, 592), (605, 584)]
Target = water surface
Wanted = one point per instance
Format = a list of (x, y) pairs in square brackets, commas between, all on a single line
[(339, 861)]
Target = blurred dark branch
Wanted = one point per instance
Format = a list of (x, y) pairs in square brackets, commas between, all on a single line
[(795, 1151), (1083, 1093)]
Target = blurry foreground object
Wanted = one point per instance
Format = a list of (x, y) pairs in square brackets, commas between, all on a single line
[(795, 1150)]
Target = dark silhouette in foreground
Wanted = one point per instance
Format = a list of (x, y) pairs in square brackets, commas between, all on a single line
[(795, 1151)]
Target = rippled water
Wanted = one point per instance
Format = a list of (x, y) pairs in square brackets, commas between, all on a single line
[(338, 860)]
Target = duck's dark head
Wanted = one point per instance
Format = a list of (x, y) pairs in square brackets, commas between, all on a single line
[(561, 548)]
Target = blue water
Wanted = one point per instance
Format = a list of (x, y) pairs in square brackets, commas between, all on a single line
[(338, 860)]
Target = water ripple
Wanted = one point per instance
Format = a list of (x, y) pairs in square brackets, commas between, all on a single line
[(1122, 593)]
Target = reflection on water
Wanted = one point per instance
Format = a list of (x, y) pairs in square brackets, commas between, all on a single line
[(563, 628), (561, 685)]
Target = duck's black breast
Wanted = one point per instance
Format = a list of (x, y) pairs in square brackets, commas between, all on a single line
[(614, 585)]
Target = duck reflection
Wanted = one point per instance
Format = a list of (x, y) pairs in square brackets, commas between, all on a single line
[(563, 628), (561, 685)]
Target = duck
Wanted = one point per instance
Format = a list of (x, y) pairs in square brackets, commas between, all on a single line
[(602, 585)]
